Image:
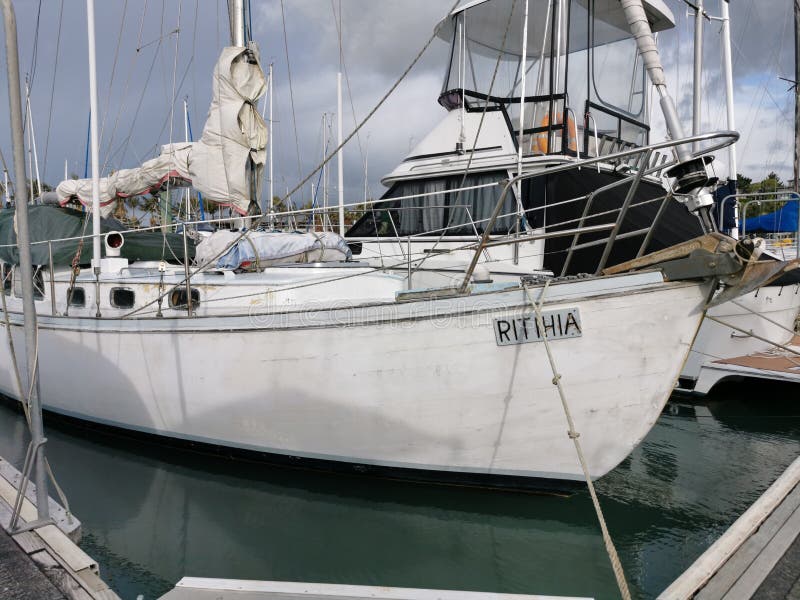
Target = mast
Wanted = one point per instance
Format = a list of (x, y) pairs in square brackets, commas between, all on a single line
[(698, 69), (727, 67), (271, 194), (32, 138), (366, 168), (6, 197), (340, 157), (25, 262), (797, 99), (326, 218), (94, 119), (30, 141), (339, 163), (522, 73), (797, 113), (187, 138), (237, 23)]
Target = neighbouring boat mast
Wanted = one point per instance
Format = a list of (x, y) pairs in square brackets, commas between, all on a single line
[(339, 154), (522, 80), (33, 162), (697, 91), (797, 100), (187, 138), (691, 174), (271, 189), (797, 112), (727, 68), (25, 262), (94, 119)]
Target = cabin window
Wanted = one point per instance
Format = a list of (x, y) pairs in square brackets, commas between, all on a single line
[(38, 283), (436, 206), (6, 272), (77, 297), (122, 298), (618, 75), (177, 298)]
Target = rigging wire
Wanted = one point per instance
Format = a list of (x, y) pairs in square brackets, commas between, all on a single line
[(259, 220), (35, 54), (123, 104), (769, 68), (167, 209), (113, 69), (477, 134), (124, 146), (347, 76), (193, 62), (291, 93), (53, 86)]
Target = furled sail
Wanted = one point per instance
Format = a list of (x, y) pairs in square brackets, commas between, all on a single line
[(230, 154)]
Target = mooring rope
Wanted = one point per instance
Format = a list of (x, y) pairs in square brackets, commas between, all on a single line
[(616, 565), (25, 401)]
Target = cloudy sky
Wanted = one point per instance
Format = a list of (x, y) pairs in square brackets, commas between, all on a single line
[(153, 51)]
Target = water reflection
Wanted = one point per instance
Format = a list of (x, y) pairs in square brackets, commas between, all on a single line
[(152, 514)]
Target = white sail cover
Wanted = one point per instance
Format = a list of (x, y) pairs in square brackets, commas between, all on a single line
[(216, 165), (268, 248)]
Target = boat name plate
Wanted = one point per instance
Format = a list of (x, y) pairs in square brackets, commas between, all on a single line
[(558, 324)]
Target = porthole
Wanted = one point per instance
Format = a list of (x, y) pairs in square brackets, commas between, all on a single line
[(76, 297), (177, 298), (122, 298)]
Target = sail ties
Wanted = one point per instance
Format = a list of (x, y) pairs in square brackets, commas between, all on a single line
[(573, 434)]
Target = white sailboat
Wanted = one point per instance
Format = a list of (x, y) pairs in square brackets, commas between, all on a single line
[(311, 357)]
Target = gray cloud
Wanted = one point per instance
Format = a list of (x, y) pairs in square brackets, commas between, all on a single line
[(380, 38)]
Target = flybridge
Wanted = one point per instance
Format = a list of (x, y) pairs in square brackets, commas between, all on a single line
[(586, 88)]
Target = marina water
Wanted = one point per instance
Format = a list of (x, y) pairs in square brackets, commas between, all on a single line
[(152, 514)]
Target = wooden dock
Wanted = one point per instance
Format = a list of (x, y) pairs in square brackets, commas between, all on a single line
[(757, 557), (43, 563)]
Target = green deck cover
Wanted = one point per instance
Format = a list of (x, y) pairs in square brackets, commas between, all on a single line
[(52, 222)]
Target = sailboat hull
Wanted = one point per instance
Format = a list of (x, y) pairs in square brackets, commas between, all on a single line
[(420, 386), (769, 313)]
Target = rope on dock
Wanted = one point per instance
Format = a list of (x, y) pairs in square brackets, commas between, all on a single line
[(616, 565)]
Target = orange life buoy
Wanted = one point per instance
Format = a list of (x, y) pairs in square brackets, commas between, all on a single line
[(572, 133)]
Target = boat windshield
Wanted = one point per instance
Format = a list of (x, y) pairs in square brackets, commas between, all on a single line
[(585, 87)]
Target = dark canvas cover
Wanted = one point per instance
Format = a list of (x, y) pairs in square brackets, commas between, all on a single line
[(54, 223)]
